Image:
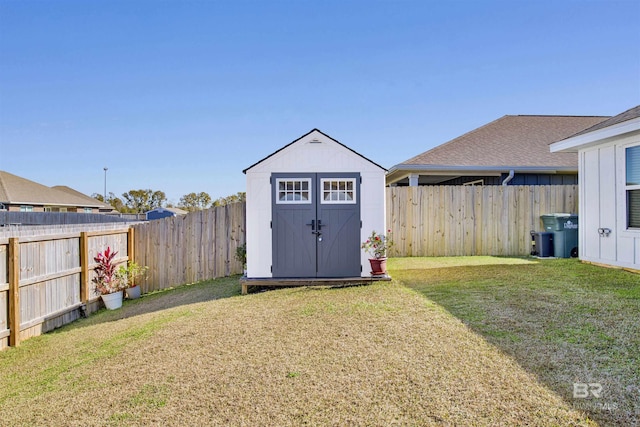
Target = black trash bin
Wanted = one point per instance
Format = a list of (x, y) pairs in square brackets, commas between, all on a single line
[(542, 244), (564, 227)]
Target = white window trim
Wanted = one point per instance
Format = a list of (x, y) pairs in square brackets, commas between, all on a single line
[(353, 201), (294, 202), (626, 188), (476, 182)]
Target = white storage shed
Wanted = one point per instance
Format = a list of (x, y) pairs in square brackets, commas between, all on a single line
[(609, 178), (310, 205)]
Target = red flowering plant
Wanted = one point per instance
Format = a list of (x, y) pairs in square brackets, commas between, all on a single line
[(377, 245), (106, 280)]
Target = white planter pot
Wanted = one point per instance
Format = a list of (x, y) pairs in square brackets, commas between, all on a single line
[(113, 301), (133, 292)]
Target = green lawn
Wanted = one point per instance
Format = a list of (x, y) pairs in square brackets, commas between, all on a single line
[(451, 341), (561, 320)]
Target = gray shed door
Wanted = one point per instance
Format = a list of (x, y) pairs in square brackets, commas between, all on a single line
[(316, 224)]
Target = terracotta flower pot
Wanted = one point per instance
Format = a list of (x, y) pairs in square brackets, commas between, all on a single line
[(378, 266)]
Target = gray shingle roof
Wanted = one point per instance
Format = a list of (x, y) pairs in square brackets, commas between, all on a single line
[(510, 141), (89, 199), (631, 113), (18, 190)]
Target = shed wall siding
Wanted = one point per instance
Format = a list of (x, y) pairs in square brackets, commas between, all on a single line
[(305, 156), (603, 205)]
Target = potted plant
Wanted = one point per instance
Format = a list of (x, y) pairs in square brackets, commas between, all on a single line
[(107, 282), (241, 255), (377, 246), (127, 276)]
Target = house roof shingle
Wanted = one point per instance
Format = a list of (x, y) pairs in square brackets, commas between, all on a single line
[(630, 114), (18, 190), (510, 142), (89, 199)]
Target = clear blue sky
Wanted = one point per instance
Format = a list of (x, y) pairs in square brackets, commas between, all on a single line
[(181, 96)]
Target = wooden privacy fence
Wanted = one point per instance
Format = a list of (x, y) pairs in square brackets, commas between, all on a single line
[(472, 220), (45, 279), (190, 248)]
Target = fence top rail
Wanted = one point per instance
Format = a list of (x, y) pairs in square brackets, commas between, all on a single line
[(60, 236)]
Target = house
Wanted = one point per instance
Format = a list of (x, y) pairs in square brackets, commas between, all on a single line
[(609, 176), (19, 194), (310, 205), (159, 213), (510, 150), (103, 208)]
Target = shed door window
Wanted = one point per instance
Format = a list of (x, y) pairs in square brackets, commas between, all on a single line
[(294, 190), (338, 190), (632, 163)]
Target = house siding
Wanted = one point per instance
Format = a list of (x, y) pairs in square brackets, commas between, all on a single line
[(518, 179), (603, 200)]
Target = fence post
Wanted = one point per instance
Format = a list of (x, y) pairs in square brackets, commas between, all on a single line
[(84, 267), (130, 250), (14, 292)]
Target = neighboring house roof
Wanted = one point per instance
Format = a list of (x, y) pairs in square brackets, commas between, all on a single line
[(509, 143), (176, 211), (624, 123), (89, 199), (17, 190), (305, 135)]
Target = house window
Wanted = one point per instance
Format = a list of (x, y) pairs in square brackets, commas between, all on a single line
[(632, 186), (24, 208), (88, 210), (341, 190), (294, 191)]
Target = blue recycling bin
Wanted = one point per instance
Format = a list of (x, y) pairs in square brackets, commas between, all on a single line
[(564, 227)]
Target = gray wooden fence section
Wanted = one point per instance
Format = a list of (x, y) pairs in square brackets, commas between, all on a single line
[(190, 248), (472, 220), (47, 230), (44, 278), (49, 218)]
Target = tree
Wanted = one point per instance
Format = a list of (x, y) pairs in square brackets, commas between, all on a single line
[(238, 197), (195, 201), (139, 201), (112, 200)]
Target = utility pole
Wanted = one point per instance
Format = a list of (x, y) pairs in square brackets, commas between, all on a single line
[(105, 184)]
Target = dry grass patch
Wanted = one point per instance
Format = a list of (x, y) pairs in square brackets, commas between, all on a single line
[(371, 355), (563, 321)]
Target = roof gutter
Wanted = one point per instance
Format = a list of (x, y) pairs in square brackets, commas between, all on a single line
[(509, 178)]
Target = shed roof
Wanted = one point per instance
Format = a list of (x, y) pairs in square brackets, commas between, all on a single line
[(304, 136), (17, 190), (176, 211)]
